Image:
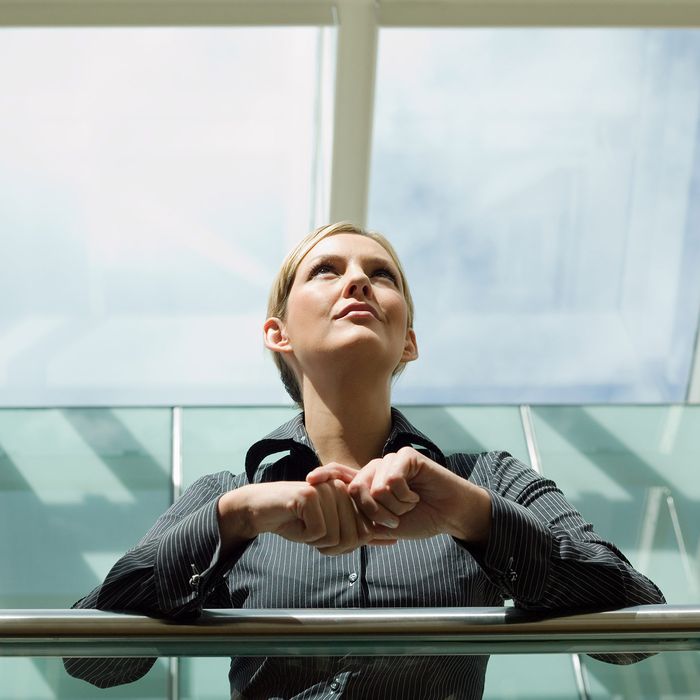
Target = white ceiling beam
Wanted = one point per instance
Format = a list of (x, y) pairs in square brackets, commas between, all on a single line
[(390, 13), (539, 13), (354, 109), (168, 13)]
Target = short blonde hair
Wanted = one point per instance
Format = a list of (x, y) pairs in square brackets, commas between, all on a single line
[(282, 285)]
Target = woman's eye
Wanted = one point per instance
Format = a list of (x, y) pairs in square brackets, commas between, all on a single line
[(321, 268), (386, 273)]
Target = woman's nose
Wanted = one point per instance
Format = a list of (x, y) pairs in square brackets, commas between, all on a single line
[(357, 284)]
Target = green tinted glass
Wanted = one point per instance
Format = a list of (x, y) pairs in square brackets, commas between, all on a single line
[(633, 472), (471, 428), (78, 487), (216, 439), (530, 677)]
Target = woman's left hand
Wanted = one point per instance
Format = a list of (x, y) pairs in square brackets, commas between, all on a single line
[(415, 496)]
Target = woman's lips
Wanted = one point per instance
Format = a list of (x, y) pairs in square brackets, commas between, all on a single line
[(358, 310)]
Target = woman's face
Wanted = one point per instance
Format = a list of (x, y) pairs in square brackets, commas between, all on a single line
[(347, 298)]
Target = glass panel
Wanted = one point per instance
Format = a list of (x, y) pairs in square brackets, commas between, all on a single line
[(214, 439), (471, 428), (633, 471), (542, 188), (175, 167), (530, 677), (204, 679), (671, 676), (85, 484), (217, 439)]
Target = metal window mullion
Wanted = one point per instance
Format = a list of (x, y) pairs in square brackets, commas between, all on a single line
[(173, 689), (356, 65), (530, 439), (693, 393)]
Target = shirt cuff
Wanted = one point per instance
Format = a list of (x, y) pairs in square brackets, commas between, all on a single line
[(518, 553), (188, 564)]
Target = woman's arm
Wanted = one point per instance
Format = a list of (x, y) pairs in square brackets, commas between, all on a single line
[(542, 553), (156, 576), (181, 565), (530, 542)]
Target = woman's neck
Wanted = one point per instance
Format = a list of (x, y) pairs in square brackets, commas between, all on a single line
[(349, 426)]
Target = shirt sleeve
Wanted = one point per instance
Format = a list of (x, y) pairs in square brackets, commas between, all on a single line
[(174, 572), (543, 554)]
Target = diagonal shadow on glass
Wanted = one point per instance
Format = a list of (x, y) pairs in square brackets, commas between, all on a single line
[(666, 675), (116, 446), (46, 544)]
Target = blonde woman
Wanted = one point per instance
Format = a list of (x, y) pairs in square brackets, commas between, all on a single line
[(365, 510)]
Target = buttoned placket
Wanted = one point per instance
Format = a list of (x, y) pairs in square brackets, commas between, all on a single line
[(354, 575)]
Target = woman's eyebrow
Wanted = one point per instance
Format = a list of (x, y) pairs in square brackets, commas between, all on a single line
[(331, 257), (324, 258)]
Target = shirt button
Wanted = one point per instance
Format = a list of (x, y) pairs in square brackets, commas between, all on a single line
[(335, 685), (353, 577)]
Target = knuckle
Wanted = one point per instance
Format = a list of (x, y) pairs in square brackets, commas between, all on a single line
[(309, 492), (355, 488), (393, 480), (379, 490)]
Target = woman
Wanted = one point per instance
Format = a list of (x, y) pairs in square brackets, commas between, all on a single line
[(463, 530)]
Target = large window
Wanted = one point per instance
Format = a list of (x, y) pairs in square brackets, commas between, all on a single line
[(543, 186), (151, 181)]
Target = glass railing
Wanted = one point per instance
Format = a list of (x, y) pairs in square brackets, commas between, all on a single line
[(78, 487)]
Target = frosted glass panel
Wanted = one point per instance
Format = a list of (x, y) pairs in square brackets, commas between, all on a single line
[(633, 471), (471, 428), (78, 487), (151, 181), (543, 189), (530, 677), (217, 439)]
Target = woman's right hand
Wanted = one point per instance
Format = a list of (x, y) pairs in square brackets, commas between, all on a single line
[(323, 516)]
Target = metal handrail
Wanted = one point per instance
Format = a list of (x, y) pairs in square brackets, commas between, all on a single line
[(366, 632)]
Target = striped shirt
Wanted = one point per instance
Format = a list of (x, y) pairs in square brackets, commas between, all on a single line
[(541, 554)]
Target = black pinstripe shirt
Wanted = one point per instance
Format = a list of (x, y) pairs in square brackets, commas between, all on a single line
[(541, 554)]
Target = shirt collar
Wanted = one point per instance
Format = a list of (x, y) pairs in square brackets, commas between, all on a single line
[(292, 436)]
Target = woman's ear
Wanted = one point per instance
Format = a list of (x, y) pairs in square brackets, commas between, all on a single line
[(410, 348), (275, 335)]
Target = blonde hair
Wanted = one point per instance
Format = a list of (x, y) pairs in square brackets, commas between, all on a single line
[(282, 285)]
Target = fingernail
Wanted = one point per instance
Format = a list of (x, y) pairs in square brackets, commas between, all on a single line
[(389, 522)]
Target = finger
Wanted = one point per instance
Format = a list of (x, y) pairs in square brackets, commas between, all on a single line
[(394, 479), (331, 471), (347, 522), (312, 523), (371, 508), (329, 515), (402, 491), (385, 497), (390, 487)]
